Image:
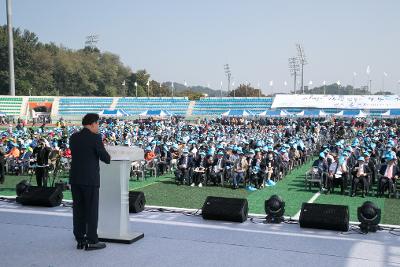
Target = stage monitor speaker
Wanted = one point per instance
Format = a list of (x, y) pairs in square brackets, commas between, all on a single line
[(41, 196), (137, 201), (324, 216), (225, 209)]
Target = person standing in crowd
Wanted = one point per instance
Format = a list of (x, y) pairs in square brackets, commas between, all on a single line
[(87, 149), (41, 153), (2, 165)]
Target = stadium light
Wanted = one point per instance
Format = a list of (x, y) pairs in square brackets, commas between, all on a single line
[(136, 88), (294, 69), (228, 75), (338, 86), (303, 61), (10, 49), (383, 81), (368, 71), (369, 215), (274, 208)]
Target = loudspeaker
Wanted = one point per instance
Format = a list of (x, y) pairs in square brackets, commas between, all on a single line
[(324, 216), (21, 187), (41, 196), (137, 201), (225, 209)]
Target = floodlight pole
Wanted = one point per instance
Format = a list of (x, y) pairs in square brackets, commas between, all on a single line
[(10, 49)]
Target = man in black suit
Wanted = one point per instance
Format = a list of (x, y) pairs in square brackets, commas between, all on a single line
[(2, 165), (86, 149), (41, 153), (185, 163), (390, 172), (360, 173)]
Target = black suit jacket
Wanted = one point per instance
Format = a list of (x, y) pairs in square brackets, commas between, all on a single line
[(396, 170), (87, 149)]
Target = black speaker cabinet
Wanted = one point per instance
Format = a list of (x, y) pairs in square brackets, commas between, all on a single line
[(225, 209), (324, 216), (137, 201), (41, 196)]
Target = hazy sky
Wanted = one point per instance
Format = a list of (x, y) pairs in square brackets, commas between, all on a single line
[(184, 40)]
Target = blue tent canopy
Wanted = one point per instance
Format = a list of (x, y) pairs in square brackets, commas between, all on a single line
[(274, 113), (2, 114), (312, 113), (391, 113), (351, 113), (113, 112), (237, 113), (155, 113)]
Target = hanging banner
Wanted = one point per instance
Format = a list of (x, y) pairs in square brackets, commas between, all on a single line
[(337, 101)]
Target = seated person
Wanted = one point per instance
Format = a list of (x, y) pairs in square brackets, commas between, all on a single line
[(334, 175), (199, 172), (239, 168), (185, 163), (217, 169), (321, 165), (360, 173), (390, 172)]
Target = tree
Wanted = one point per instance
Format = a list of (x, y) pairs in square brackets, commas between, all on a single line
[(246, 91)]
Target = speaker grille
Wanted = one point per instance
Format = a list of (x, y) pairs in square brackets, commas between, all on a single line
[(225, 209), (324, 216)]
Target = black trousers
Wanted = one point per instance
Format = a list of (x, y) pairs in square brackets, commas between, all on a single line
[(85, 212), (385, 183), (2, 171), (357, 180), (41, 176)]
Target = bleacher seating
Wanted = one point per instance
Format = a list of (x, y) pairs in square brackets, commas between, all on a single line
[(41, 99), (11, 105), (134, 106), (218, 105), (83, 105)]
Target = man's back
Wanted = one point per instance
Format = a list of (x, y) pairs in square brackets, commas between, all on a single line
[(86, 149)]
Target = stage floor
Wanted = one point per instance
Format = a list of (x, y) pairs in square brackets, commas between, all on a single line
[(31, 236)]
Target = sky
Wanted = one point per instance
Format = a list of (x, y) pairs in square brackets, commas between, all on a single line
[(187, 40)]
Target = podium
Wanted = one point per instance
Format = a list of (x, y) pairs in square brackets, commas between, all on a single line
[(113, 225)]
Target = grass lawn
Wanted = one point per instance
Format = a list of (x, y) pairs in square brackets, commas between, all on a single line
[(162, 191)]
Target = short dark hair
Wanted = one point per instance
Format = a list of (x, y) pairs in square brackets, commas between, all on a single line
[(90, 118)]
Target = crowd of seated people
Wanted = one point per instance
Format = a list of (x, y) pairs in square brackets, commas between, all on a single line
[(366, 160), (354, 155)]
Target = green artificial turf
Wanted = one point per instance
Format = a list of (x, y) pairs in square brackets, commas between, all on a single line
[(291, 189), (162, 191)]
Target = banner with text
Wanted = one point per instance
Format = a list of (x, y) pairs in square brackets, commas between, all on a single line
[(337, 101)]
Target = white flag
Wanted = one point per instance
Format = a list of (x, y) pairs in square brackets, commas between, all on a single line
[(271, 83), (172, 85), (368, 70), (324, 82), (338, 83), (136, 84), (221, 84), (148, 82), (385, 74), (310, 83), (123, 83), (185, 84)]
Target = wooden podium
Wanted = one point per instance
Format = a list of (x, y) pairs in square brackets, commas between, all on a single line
[(114, 196)]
